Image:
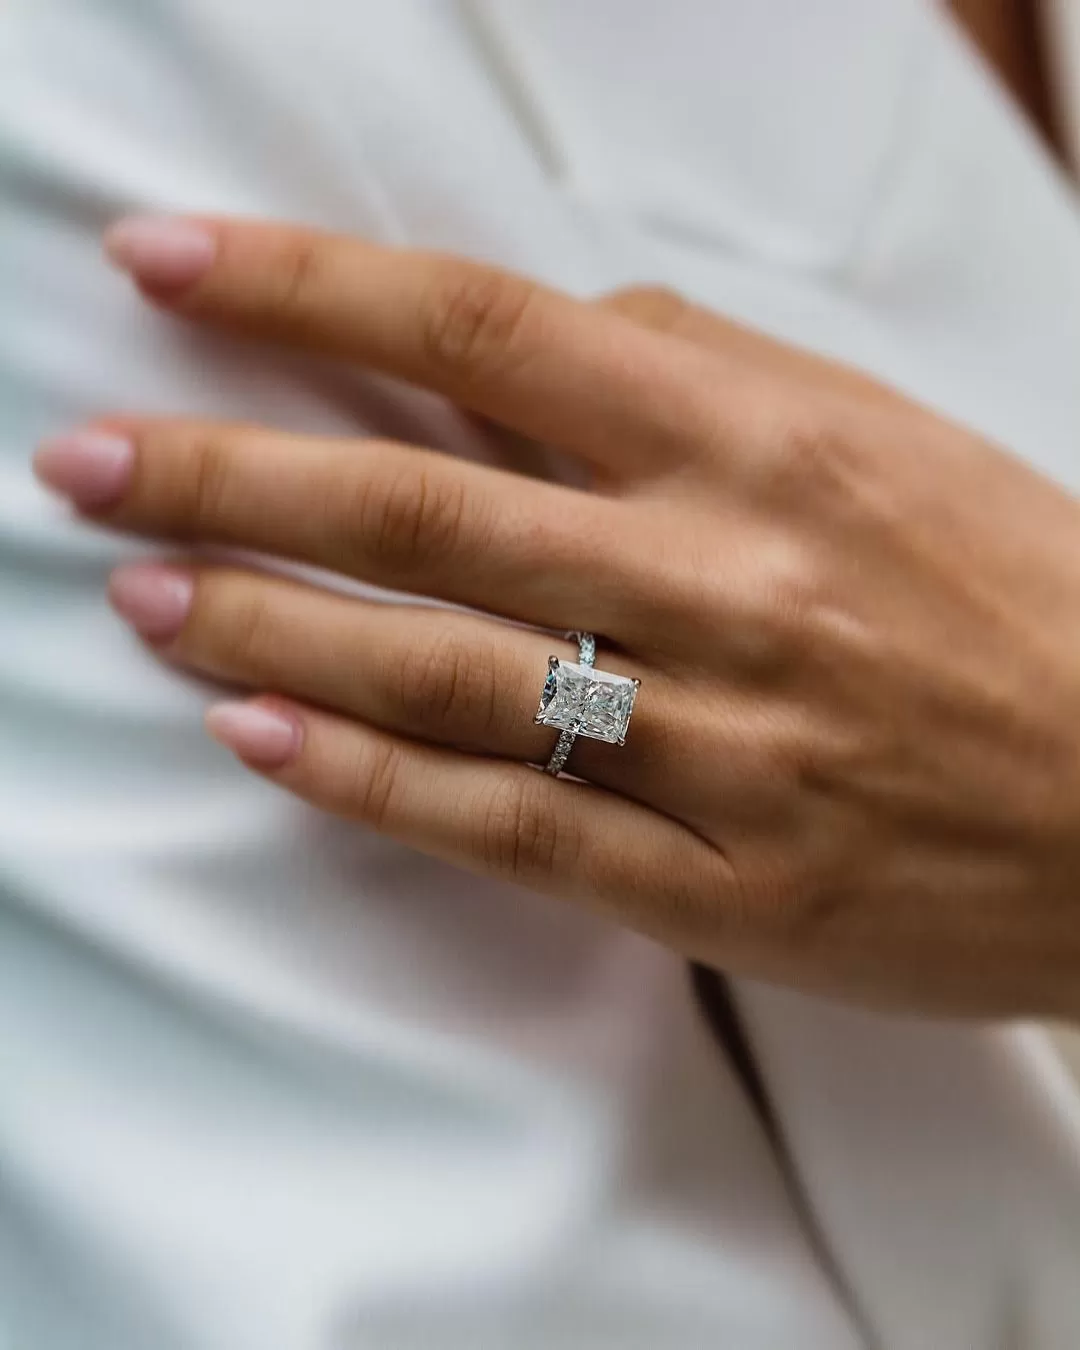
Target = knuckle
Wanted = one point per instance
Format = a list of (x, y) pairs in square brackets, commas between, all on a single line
[(656, 307), (209, 478), (769, 607), (412, 520), (448, 686), (373, 784), (242, 624), (819, 461), (295, 278), (474, 320), (800, 767), (790, 600), (523, 837)]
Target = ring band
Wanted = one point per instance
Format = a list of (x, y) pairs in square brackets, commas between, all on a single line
[(579, 700)]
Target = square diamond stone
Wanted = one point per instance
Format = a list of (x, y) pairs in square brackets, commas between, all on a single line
[(586, 701)]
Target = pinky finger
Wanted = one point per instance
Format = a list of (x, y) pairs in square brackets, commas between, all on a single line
[(494, 817)]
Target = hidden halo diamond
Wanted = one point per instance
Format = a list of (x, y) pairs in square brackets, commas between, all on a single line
[(578, 700)]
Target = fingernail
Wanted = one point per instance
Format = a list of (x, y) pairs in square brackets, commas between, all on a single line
[(153, 598), (164, 253), (90, 467), (264, 737)]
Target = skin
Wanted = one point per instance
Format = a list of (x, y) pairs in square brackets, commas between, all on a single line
[(854, 763)]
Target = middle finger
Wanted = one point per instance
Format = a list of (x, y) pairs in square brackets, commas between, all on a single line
[(394, 515)]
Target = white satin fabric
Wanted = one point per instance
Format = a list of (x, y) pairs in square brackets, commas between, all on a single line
[(268, 1082)]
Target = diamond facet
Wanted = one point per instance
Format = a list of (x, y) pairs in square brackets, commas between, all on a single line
[(586, 701)]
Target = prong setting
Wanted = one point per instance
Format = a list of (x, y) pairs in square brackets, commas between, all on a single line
[(587, 702), (579, 700)]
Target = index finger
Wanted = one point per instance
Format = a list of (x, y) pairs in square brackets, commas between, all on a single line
[(551, 367)]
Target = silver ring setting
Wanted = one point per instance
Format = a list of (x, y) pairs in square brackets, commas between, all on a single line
[(579, 700)]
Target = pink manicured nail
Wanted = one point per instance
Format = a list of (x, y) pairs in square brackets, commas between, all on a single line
[(162, 252), (91, 467), (266, 738), (153, 598)]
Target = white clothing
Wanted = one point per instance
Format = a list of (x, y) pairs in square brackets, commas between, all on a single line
[(268, 1082)]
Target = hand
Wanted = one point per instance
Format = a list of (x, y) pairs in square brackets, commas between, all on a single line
[(854, 764)]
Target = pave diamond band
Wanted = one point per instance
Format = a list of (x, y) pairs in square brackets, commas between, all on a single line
[(579, 700), (560, 754)]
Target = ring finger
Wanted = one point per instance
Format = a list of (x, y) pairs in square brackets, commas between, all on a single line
[(437, 675)]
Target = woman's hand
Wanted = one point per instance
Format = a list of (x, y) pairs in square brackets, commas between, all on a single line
[(854, 763)]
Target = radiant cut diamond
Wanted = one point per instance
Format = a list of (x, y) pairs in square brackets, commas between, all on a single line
[(587, 702)]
